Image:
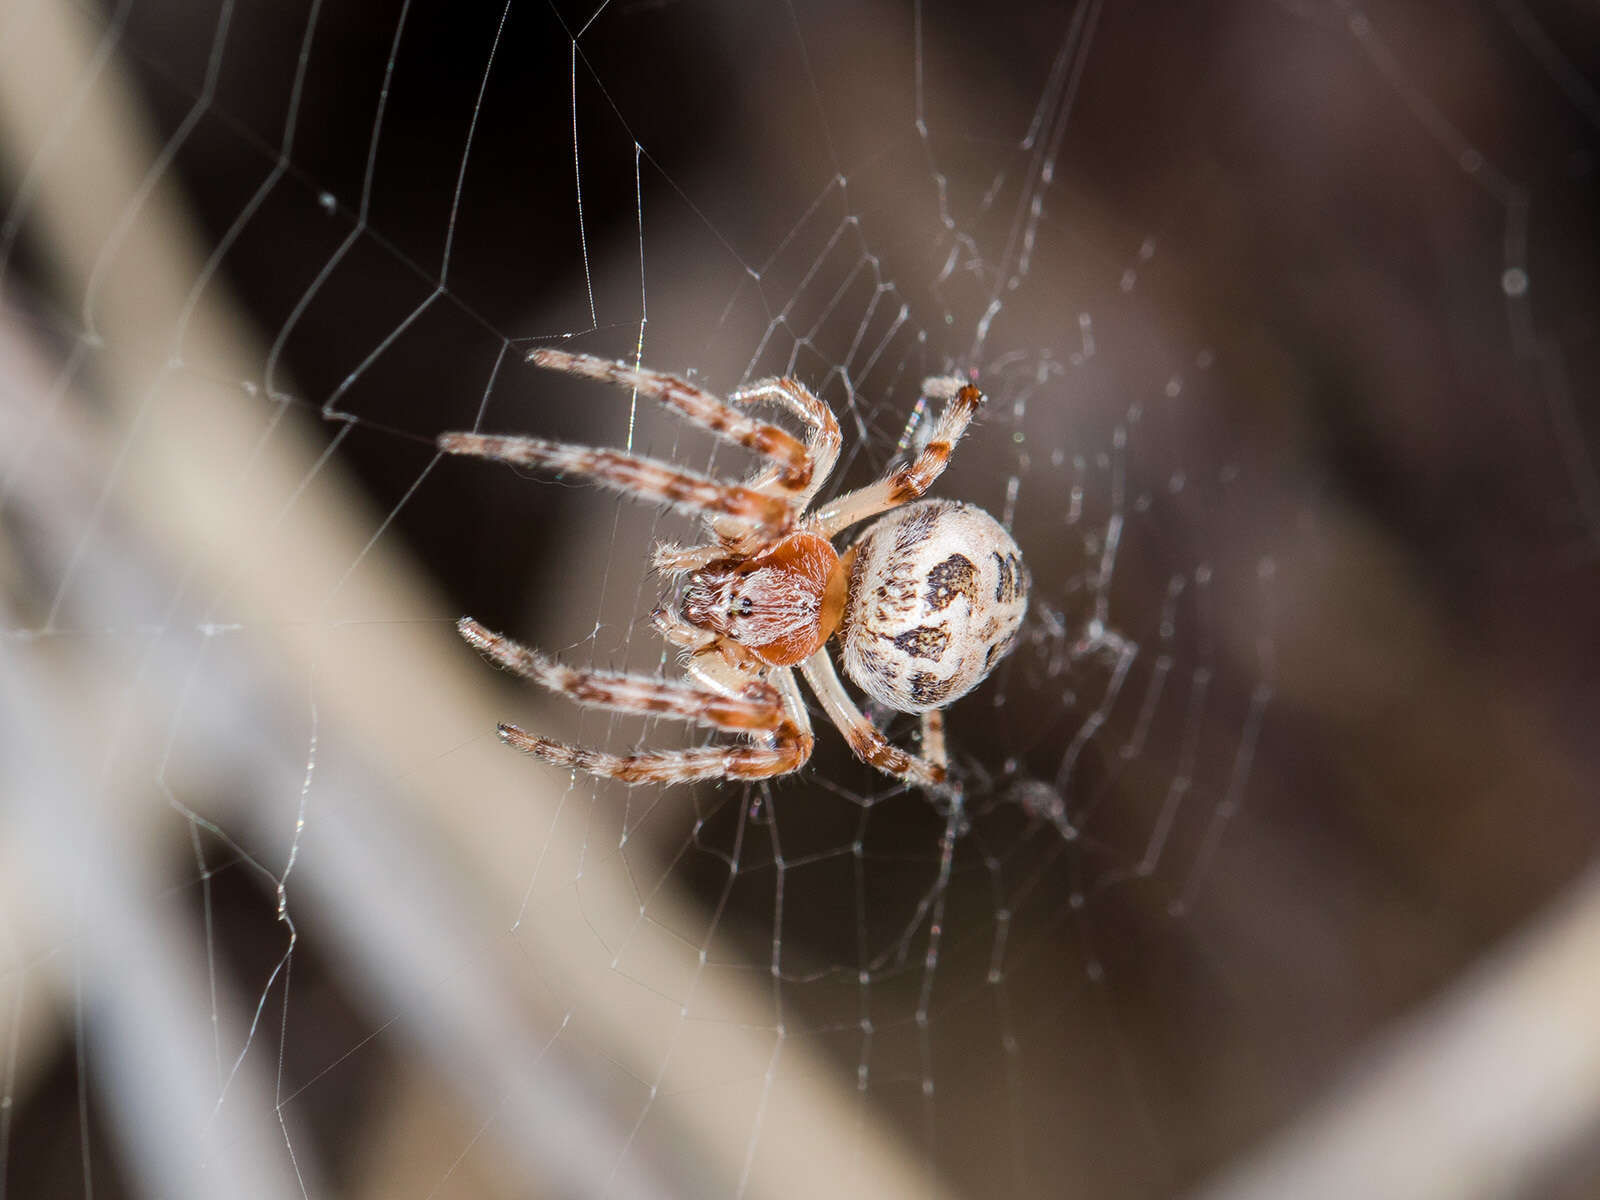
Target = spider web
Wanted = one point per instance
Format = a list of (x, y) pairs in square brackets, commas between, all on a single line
[(1285, 313)]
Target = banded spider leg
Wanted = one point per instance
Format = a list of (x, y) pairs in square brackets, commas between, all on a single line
[(753, 707)]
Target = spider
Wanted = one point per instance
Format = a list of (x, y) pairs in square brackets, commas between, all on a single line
[(924, 603)]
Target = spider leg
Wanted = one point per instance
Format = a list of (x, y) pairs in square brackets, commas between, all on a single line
[(730, 675), (795, 467), (822, 442), (933, 747), (793, 396), (632, 475), (742, 705), (723, 698), (961, 402), (865, 738), (790, 753)]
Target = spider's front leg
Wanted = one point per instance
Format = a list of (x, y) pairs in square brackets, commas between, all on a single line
[(795, 465), (633, 475), (789, 753), (748, 706)]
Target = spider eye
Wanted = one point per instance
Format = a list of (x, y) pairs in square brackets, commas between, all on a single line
[(744, 606)]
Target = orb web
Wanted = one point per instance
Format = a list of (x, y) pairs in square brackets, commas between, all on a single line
[(1282, 312)]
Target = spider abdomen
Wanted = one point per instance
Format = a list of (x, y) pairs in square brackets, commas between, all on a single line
[(937, 592)]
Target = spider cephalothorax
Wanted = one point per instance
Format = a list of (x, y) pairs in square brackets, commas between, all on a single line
[(925, 602), (781, 606)]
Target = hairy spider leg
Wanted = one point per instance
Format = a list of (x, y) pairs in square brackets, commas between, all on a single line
[(822, 441), (753, 707), (632, 475), (789, 753), (796, 468), (865, 738), (744, 706), (933, 747), (910, 482)]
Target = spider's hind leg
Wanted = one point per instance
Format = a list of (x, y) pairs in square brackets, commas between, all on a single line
[(933, 744), (867, 740)]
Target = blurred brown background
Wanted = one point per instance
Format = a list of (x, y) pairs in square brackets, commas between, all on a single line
[(1291, 376)]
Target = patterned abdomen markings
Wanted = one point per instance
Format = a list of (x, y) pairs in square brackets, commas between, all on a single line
[(937, 593)]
